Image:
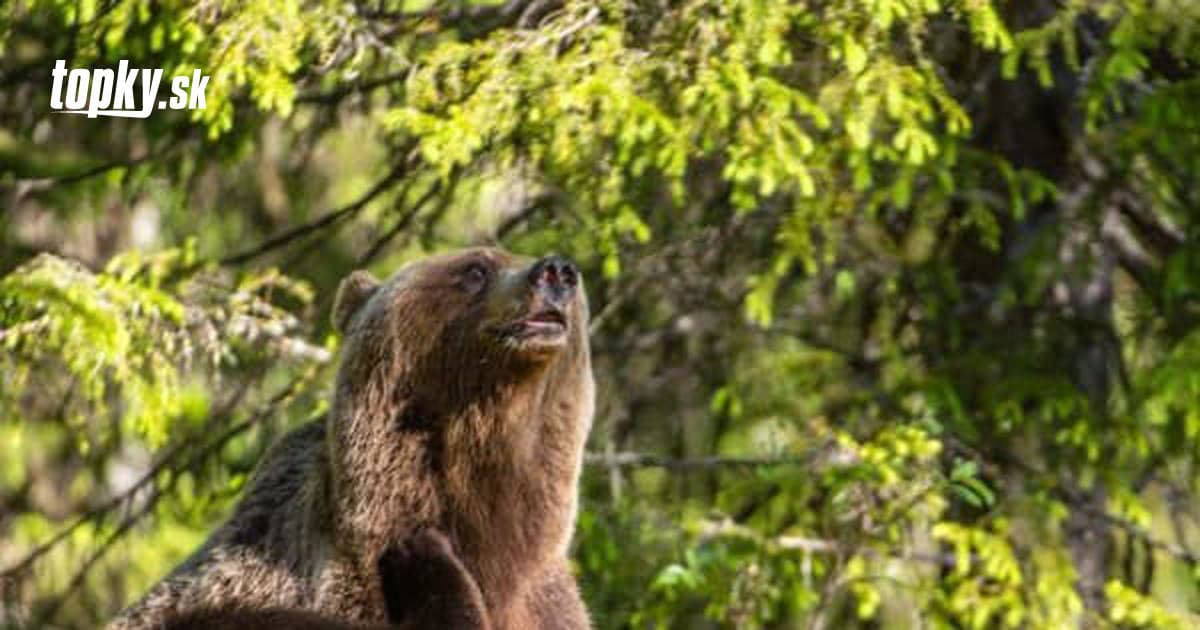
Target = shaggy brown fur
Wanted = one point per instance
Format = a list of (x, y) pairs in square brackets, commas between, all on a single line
[(462, 403), (425, 587), (269, 619)]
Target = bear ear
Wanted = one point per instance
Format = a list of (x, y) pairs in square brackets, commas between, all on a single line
[(352, 293)]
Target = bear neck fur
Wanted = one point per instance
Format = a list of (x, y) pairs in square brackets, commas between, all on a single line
[(489, 452)]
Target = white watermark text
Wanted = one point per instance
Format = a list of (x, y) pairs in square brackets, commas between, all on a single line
[(108, 92)]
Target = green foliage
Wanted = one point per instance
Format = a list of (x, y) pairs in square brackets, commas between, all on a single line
[(133, 332), (1131, 609), (140, 338)]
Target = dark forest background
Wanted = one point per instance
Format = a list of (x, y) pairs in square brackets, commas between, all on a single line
[(896, 303)]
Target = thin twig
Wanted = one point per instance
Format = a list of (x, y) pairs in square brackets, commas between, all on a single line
[(196, 458), (539, 203), (647, 460), (356, 87), (402, 224), (162, 465), (330, 218), (127, 523)]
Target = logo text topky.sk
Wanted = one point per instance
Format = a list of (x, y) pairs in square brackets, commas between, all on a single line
[(108, 92)]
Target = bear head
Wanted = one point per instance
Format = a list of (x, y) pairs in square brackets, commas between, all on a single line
[(470, 369), (445, 316)]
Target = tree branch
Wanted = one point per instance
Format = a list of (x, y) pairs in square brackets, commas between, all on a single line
[(646, 460), (168, 463), (474, 21), (357, 87), (328, 219), (405, 221)]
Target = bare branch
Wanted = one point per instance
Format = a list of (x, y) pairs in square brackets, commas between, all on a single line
[(328, 219), (646, 460), (169, 463), (356, 87), (810, 545), (473, 21), (404, 222)]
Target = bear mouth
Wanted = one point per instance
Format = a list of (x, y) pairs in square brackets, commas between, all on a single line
[(544, 323), (542, 333)]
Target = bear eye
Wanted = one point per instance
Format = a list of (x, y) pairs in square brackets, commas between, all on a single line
[(475, 276)]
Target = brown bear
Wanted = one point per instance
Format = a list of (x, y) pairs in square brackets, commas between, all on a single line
[(424, 586), (461, 404)]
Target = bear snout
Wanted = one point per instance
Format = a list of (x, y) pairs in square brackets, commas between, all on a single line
[(555, 278)]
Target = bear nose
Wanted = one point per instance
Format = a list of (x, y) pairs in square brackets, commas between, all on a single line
[(555, 276)]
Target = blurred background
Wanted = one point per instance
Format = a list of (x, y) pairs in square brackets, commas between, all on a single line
[(895, 302)]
